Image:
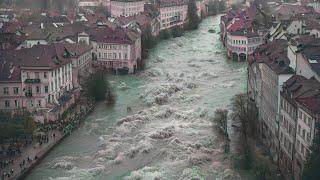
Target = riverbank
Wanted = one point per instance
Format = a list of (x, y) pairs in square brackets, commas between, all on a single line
[(30, 156), (168, 133)]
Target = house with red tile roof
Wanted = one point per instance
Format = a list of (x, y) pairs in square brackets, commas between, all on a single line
[(239, 33)]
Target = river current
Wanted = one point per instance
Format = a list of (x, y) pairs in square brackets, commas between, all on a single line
[(168, 133)]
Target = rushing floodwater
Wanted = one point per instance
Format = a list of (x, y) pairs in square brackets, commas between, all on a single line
[(168, 134)]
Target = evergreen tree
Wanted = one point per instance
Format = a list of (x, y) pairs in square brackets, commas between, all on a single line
[(311, 169), (193, 17)]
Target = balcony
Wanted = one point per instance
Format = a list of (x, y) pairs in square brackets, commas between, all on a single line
[(32, 81)]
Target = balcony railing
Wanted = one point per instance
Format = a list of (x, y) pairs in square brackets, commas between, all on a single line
[(32, 81)]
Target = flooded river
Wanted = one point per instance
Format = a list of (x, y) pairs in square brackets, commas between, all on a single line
[(168, 133)]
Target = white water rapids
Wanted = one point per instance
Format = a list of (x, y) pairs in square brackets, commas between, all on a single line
[(168, 134)]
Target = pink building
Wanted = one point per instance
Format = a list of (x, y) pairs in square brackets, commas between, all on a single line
[(126, 7), (89, 3), (116, 48), (40, 79), (172, 13)]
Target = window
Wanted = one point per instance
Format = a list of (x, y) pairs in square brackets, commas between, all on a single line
[(6, 103), (39, 103), (304, 134), (36, 75), (38, 89), (45, 75), (290, 129), (46, 89), (29, 89), (309, 122), (299, 129), (304, 118), (302, 149), (28, 75), (16, 103), (308, 136), (6, 90), (298, 144), (15, 90), (30, 103), (300, 114)]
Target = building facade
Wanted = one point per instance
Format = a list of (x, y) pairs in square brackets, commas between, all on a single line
[(126, 7), (172, 13), (43, 82), (116, 49)]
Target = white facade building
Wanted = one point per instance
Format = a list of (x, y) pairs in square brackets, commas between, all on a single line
[(126, 7)]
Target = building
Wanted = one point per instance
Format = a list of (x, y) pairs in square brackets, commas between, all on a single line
[(240, 44), (268, 70), (126, 7), (36, 38), (239, 33), (299, 113), (172, 13), (145, 22), (303, 53), (116, 48), (308, 107), (290, 129), (40, 79), (286, 11), (88, 3)]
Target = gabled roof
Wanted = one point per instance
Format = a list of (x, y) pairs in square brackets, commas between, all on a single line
[(44, 56), (304, 91), (106, 34)]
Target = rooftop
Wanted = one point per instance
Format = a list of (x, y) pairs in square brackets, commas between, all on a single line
[(44, 56), (274, 55)]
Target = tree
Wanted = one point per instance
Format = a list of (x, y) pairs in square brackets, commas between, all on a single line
[(14, 125), (261, 169), (164, 34), (245, 112), (193, 18), (311, 169), (98, 88), (220, 118), (176, 32)]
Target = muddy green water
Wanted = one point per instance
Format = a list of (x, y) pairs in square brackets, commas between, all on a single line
[(168, 134)]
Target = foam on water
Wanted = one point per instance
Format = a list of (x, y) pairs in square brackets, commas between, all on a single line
[(170, 136)]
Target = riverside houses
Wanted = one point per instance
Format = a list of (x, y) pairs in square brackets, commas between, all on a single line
[(299, 97), (116, 48), (268, 70), (40, 79), (172, 13), (126, 7), (239, 34)]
